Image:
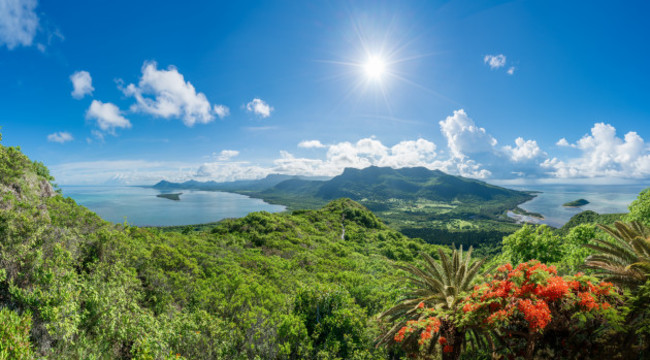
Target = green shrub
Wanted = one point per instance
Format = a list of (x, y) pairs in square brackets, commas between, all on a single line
[(14, 335)]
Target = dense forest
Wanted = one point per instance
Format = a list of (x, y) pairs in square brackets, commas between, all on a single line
[(328, 283)]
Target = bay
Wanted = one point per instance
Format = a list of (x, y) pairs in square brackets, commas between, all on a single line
[(603, 199), (141, 207)]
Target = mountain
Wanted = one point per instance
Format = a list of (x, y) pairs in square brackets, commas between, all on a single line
[(385, 183), (369, 184), (239, 185)]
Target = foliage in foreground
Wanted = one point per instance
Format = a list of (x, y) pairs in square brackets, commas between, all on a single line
[(438, 286), (286, 286), (271, 286)]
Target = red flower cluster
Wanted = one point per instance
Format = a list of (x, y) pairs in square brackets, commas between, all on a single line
[(528, 290), (448, 348), (588, 301), (538, 314), (399, 337), (442, 340), (499, 315), (429, 325), (555, 288)]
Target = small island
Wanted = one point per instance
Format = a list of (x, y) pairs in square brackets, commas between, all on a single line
[(175, 196), (576, 203)]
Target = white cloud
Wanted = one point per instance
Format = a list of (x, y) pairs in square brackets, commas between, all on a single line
[(562, 142), (221, 172), (472, 152), (365, 152), (60, 137), (411, 153), (310, 144), (259, 107), (82, 84), (18, 23), (524, 150), (166, 94), (222, 111), (225, 155), (511, 70), (108, 116), (495, 61), (603, 154), (128, 172), (464, 137)]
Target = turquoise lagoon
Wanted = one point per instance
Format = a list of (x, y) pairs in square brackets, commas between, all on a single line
[(141, 207), (603, 199)]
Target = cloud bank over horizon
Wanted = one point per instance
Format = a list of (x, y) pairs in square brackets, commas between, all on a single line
[(470, 151)]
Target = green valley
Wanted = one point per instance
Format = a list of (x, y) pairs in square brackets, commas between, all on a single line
[(429, 204)]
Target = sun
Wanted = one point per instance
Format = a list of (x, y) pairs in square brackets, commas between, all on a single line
[(375, 67)]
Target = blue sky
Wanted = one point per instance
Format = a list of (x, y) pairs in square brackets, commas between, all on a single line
[(107, 92)]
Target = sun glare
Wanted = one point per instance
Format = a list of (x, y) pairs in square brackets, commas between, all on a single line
[(375, 67)]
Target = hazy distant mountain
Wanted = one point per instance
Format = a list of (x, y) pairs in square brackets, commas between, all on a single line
[(240, 185)]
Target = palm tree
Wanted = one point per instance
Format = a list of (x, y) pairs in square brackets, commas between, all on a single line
[(625, 260), (438, 286)]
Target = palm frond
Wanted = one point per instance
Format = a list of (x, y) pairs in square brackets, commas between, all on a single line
[(625, 258), (438, 284)]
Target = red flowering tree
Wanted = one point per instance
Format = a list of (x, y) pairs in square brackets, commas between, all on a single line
[(530, 307), (521, 312), (435, 327), (428, 310)]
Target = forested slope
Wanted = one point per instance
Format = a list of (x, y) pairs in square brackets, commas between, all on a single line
[(267, 285)]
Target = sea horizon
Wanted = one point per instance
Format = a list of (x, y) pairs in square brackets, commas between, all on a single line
[(143, 208)]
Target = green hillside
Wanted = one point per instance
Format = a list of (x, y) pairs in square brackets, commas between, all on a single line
[(267, 285)]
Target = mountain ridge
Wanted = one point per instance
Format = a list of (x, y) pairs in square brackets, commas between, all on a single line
[(370, 183)]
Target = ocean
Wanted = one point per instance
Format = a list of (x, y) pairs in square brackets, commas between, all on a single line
[(603, 199), (141, 207)]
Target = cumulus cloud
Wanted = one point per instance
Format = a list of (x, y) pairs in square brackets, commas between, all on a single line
[(464, 137), (562, 142), (82, 84), (165, 93), (363, 153), (474, 152), (511, 70), (108, 116), (471, 151), (311, 144), (60, 137), (411, 153), (604, 154), (127, 172), (259, 107), (219, 171), (495, 61), (18, 23), (225, 155), (222, 111), (524, 150)]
